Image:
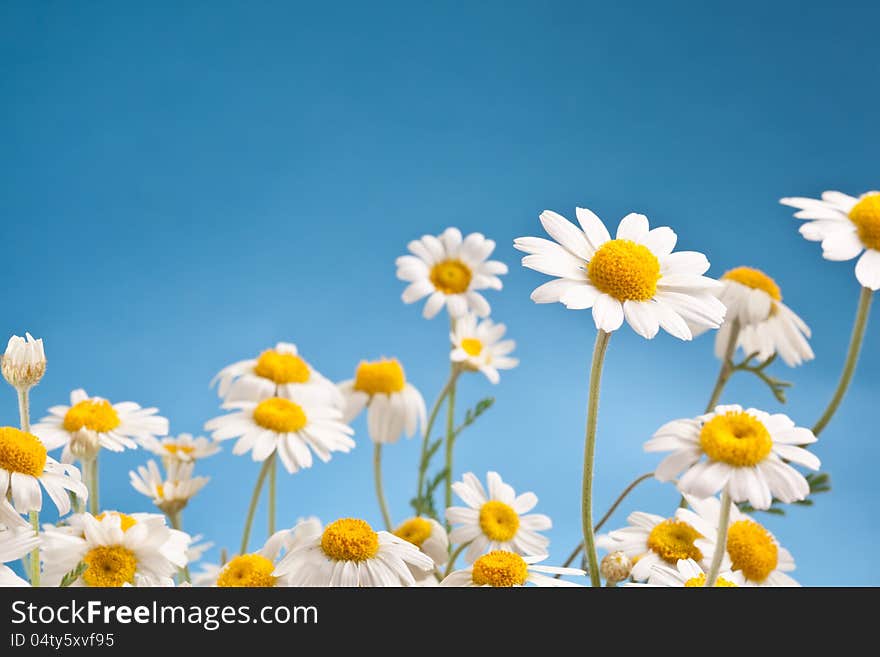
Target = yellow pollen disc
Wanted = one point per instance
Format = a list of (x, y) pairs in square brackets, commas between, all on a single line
[(415, 531), (349, 539), (21, 452), (498, 521), (866, 216), (472, 346), (700, 581), (673, 539), (451, 276), (755, 279), (126, 522), (171, 448), (251, 570), (160, 491), (752, 550), (500, 569), (109, 566), (625, 270), (280, 415), (736, 438), (95, 414), (281, 367), (384, 375)]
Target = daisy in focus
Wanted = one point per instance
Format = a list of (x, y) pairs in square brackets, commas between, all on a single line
[(428, 535), (846, 226), (497, 520), (450, 270), (294, 429), (635, 276), (349, 553), (752, 552), (689, 574), (501, 569), (183, 448), (170, 493), (394, 405), (24, 361), (479, 347)]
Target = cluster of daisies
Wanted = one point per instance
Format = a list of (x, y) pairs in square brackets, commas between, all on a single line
[(280, 409)]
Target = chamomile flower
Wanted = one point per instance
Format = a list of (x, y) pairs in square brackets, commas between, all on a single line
[(497, 520), (689, 574), (503, 569), (349, 553), (428, 535), (170, 492), (24, 362), (634, 276), (183, 447), (289, 427), (115, 547), (651, 540), (449, 269), (846, 226), (112, 426), (751, 552), (744, 451), (280, 372), (479, 348), (394, 405)]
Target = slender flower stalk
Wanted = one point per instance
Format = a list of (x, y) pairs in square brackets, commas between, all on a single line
[(90, 478), (25, 418), (176, 520), (726, 367), (721, 540), (450, 443), (450, 566), (426, 439), (255, 497), (273, 475), (380, 494)]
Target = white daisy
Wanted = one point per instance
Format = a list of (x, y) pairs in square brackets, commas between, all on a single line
[(393, 404), (846, 226), (24, 465), (170, 492), (115, 547), (349, 553), (477, 346), (451, 270), (24, 362), (183, 447), (689, 574), (497, 520), (278, 372), (746, 451), (752, 552), (652, 540), (286, 426), (506, 569), (428, 535), (115, 426), (636, 275)]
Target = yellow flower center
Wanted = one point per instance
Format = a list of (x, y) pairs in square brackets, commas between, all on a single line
[(498, 521), (281, 367), (280, 415), (109, 566), (736, 438), (500, 569), (384, 375), (755, 279), (752, 550), (673, 539), (866, 216), (700, 581), (126, 522), (625, 270), (251, 570), (472, 346), (349, 539), (171, 448), (160, 491), (414, 530), (451, 276), (95, 414), (21, 452)]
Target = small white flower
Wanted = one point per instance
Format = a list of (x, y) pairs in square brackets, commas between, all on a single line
[(172, 492), (428, 535), (688, 573), (503, 569), (24, 362), (183, 447), (478, 347)]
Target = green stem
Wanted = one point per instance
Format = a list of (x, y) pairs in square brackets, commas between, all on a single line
[(852, 357), (24, 415), (589, 454), (450, 443), (90, 477), (450, 566), (176, 520), (380, 495), (721, 540), (426, 439), (726, 367), (35, 554), (24, 409), (255, 497), (273, 473)]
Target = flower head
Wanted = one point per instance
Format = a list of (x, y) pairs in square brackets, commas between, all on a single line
[(183, 447), (689, 574), (478, 347), (502, 569), (428, 535), (24, 362), (172, 492)]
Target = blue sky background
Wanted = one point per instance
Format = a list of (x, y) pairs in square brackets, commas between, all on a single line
[(183, 185)]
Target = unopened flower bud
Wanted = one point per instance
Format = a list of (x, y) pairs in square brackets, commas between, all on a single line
[(615, 567), (84, 444), (24, 362)]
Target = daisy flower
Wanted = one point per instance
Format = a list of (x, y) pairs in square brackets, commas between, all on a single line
[(112, 426), (689, 574), (846, 226), (24, 465), (506, 569), (349, 553), (497, 520), (393, 404), (278, 372), (752, 552), (24, 362), (651, 540), (476, 346), (115, 547), (183, 448), (428, 535), (289, 427), (744, 452), (170, 493), (634, 276), (451, 270)]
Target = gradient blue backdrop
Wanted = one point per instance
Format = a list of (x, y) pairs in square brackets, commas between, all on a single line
[(184, 184)]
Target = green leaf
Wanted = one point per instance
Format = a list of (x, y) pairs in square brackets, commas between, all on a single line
[(74, 574)]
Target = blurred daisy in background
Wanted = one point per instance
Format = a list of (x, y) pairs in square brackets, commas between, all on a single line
[(503, 569), (429, 536), (17, 539), (183, 447), (479, 348), (170, 492), (689, 574)]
